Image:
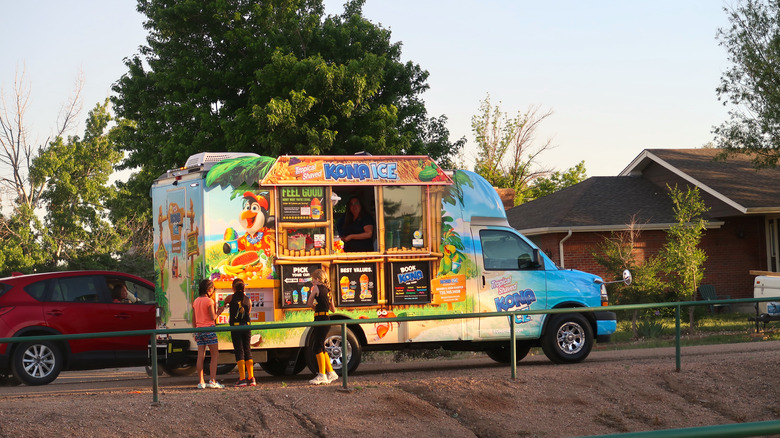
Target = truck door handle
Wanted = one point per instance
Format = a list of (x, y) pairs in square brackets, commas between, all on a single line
[(483, 281)]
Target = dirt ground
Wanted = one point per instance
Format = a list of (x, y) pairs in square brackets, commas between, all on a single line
[(611, 392)]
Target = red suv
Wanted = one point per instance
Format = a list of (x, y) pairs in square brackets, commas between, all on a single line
[(69, 303)]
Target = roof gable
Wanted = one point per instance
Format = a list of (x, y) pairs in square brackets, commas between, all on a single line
[(733, 181)]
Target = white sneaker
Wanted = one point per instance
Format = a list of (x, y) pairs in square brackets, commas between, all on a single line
[(332, 376), (215, 385), (319, 379)]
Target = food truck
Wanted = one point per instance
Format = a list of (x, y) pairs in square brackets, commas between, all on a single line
[(441, 245)]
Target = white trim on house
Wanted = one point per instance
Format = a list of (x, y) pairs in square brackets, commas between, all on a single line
[(641, 161)]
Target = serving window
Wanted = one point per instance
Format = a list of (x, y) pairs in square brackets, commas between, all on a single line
[(404, 224)]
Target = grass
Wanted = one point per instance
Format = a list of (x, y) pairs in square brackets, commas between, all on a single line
[(725, 328)]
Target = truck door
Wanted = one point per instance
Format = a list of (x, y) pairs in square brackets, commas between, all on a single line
[(510, 279)]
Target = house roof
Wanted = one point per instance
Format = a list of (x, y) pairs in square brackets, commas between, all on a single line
[(597, 204), (733, 181), (638, 195)]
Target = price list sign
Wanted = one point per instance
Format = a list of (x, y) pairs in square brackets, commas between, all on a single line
[(356, 284)]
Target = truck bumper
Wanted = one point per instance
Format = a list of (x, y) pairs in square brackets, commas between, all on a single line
[(173, 352), (606, 324)]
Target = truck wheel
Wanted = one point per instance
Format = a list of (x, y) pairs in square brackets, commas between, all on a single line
[(503, 353), (568, 338), (37, 363), (179, 370), (286, 365), (333, 346)]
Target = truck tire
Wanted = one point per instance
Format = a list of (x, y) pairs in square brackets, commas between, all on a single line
[(179, 370), (281, 365), (503, 353), (37, 362), (333, 345), (568, 338)]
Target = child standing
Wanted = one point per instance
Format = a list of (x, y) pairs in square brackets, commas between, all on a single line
[(321, 301), (240, 305), (203, 315)]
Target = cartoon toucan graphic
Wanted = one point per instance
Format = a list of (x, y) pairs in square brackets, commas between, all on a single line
[(255, 220)]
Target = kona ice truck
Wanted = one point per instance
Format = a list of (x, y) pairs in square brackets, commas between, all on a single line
[(441, 246)]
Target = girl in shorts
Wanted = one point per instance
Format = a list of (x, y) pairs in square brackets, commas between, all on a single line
[(204, 315)]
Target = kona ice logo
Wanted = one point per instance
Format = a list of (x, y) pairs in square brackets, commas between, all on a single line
[(361, 171), (510, 298)]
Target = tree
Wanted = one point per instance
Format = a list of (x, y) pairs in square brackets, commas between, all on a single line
[(557, 180), (616, 254), (273, 78), (684, 259), (22, 241), (75, 175), (506, 153), (750, 84)]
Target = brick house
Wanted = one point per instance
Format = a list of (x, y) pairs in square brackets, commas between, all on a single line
[(743, 222)]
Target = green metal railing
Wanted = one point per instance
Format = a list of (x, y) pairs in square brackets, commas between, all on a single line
[(730, 430)]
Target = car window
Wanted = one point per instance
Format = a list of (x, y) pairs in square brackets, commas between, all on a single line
[(37, 290), (76, 289), (136, 292), (3, 288), (504, 251)]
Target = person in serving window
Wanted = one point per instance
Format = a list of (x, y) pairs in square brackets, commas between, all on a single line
[(356, 227)]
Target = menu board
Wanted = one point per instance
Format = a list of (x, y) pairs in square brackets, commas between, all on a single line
[(296, 284), (410, 282), (356, 284), (303, 204)]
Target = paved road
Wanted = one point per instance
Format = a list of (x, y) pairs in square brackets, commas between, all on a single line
[(136, 379)]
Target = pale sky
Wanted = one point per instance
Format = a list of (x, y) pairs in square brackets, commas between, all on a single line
[(619, 76)]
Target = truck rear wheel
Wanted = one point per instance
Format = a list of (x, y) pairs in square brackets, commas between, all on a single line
[(333, 346), (568, 338), (283, 365), (503, 353)]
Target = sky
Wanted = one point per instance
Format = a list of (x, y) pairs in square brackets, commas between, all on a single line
[(618, 76)]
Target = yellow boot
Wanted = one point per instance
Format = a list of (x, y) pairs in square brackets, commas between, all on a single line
[(250, 372), (241, 373), (330, 374)]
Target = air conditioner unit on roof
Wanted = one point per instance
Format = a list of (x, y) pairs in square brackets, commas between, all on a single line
[(206, 159)]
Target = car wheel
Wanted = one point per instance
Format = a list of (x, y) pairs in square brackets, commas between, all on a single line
[(503, 353), (568, 338), (278, 365), (333, 346), (37, 363)]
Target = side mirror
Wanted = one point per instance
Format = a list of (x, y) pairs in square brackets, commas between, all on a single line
[(627, 278)]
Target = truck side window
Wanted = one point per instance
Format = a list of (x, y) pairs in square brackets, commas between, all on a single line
[(403, 207), (505, 251)]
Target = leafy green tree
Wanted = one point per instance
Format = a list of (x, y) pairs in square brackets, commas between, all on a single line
[(750, 85), (683, 258), (557, 180), (273, 78), (616, 254), (75, 175), (506, 148)]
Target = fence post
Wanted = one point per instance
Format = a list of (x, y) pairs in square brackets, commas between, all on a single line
[(677, 334), (512, 345), (155, 378), (344, 363)]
